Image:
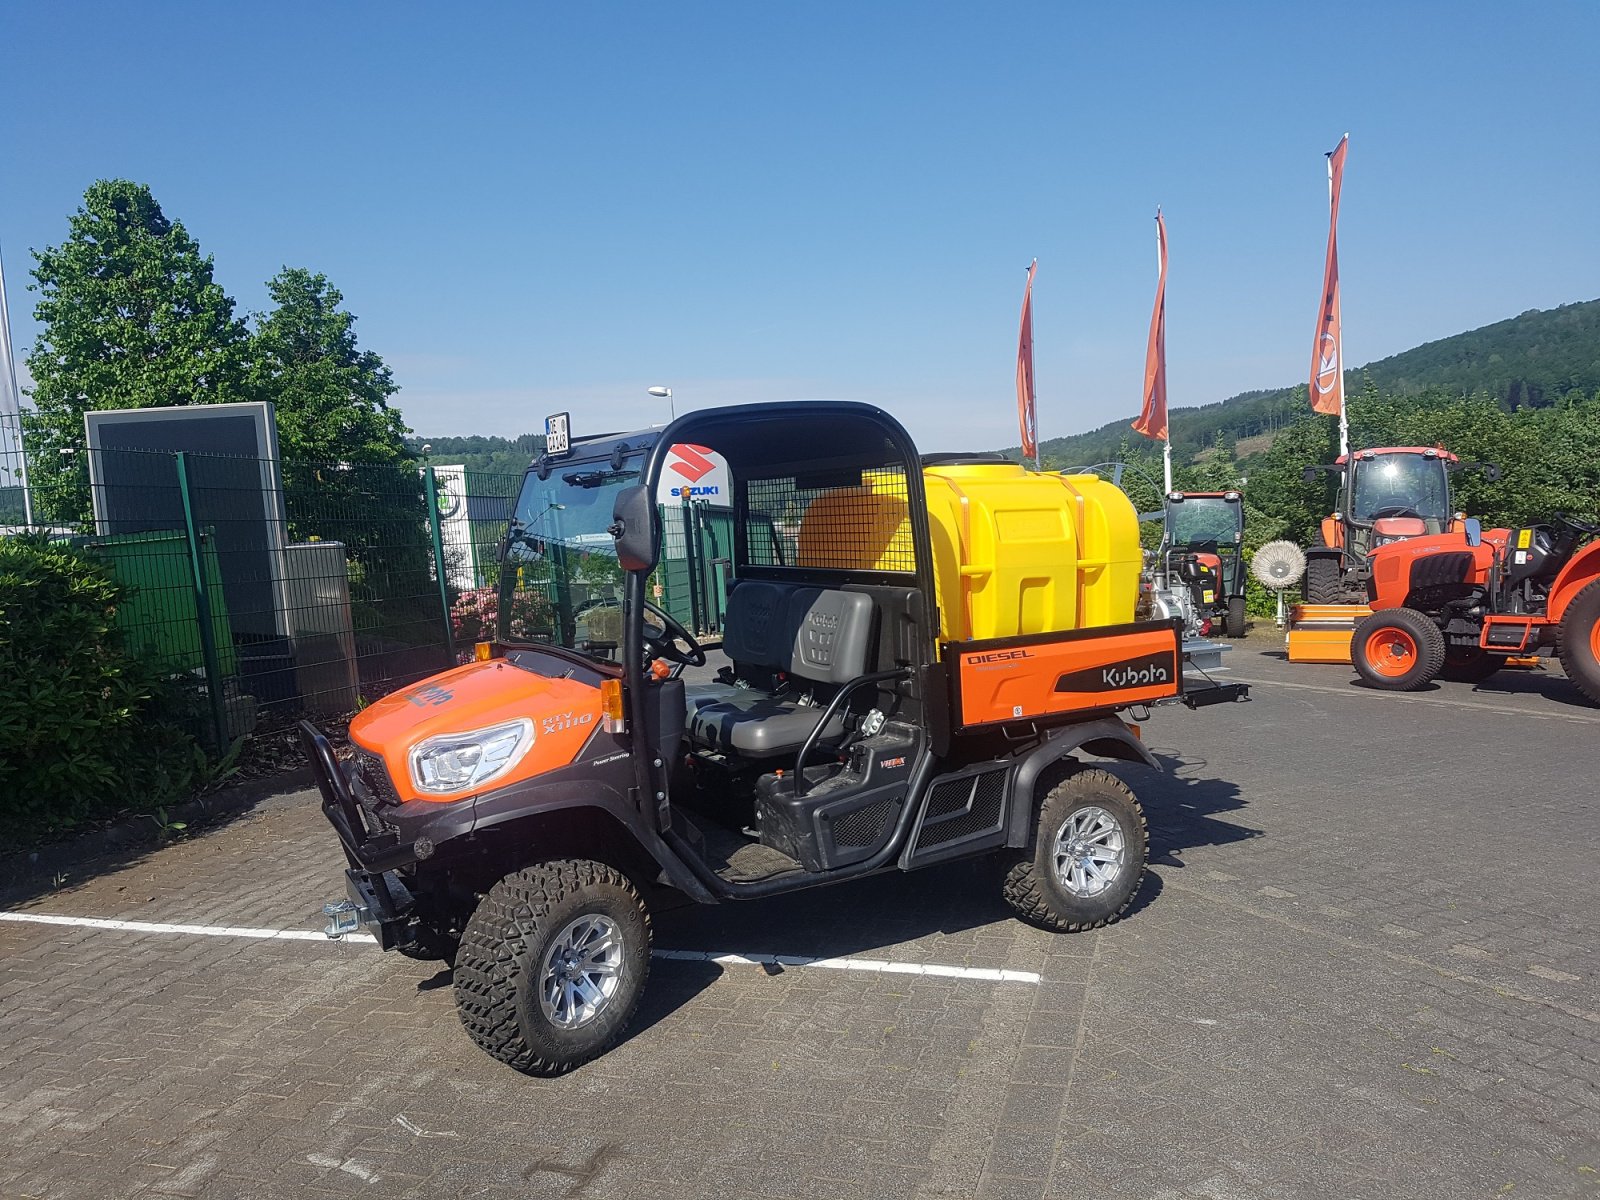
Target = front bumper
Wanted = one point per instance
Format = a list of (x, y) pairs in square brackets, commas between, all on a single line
[(378, 838), (377, 834)]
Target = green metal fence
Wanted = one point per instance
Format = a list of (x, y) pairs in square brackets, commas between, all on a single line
[(295, 588)]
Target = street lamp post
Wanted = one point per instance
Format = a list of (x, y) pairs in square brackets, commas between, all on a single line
[(664, 393)]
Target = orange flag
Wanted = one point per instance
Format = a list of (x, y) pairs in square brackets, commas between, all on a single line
[(1327, 358), (1027, 417), (1152, 420)]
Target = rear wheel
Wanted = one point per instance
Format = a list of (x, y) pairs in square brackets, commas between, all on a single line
[(1398, 649), (1323, 582), (1088, 855), (1469, 664), (1233, 626), (552, 965), (1580, 641)]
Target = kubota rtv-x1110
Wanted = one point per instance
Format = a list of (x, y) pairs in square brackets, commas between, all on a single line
[(918, 655)]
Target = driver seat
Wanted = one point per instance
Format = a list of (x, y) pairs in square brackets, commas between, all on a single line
[(806, 643)]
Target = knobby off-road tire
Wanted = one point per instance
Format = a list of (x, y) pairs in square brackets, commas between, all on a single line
[(1233, 624), (1324, 584), (516, 944), (1088, 814), (1579, 642), (1398, 650), (1469, 664)]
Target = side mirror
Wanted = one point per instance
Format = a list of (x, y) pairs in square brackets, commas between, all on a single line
[(1491, 472), (1474, 531), (633, 528)]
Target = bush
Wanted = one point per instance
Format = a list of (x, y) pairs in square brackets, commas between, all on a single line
[(87, 726), (475, 614)]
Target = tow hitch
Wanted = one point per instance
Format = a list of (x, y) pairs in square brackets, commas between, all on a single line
[(345, 916)]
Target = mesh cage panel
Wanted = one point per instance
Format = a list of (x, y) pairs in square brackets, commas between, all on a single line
[(860, 527), (986, 792), (864, 826)]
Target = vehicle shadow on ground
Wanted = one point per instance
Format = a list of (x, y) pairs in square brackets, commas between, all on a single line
[(1545, 685), (863, 916), (53, 867)]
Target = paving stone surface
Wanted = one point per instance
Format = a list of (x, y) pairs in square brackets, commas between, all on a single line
[(1365, 964)]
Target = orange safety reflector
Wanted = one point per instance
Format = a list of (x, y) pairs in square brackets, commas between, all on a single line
[(611, 699), (483, 652), (1134, 729)]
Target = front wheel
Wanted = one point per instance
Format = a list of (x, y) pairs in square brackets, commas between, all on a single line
[(552, 965), (1233, 626), (1398, 650), (1580, 641), (1088, 855)]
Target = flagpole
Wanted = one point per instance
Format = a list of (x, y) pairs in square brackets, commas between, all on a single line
[(1338, 333), (9, 387)]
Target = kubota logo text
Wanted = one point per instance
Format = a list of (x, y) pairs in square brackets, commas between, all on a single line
[(1143, 672)]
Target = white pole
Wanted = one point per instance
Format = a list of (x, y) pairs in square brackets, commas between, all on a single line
[(1166, 462), (1338, 332), (11, 396)]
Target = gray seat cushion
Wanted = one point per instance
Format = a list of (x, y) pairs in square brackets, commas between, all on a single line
[(759, 726)]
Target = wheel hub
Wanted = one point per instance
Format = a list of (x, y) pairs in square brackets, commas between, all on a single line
[(582, 971), (1090, 852)]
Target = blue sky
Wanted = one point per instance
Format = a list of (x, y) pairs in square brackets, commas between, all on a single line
[(542, 206)]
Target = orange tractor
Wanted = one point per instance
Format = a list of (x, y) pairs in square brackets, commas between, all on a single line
[(1385, 495), (1460, 604)]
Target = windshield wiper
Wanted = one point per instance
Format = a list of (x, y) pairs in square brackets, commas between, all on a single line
[(594, 479)]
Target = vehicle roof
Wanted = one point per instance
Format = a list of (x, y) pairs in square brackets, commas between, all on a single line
[(1438, 451), (1212, 495)]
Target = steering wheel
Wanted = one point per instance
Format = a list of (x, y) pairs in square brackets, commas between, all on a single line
[(1394, 510), (1579, 526), (666, 646)]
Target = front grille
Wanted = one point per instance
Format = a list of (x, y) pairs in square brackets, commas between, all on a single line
[(375, 776), (864, 826), (962, 807)]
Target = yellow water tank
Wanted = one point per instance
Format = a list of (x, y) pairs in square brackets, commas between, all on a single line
[(1017, 552), (1014, 551)]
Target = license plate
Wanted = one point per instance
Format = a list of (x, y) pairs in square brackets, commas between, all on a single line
[(557, 439)]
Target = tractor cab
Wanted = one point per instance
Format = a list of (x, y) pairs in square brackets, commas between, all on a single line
[(1199, 569), (1385, 495)]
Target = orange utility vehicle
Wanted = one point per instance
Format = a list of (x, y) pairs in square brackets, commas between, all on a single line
[(1462, 604), (919, 652)]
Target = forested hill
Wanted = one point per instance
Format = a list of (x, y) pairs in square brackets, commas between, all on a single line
[(495, 455), (1526, 361)]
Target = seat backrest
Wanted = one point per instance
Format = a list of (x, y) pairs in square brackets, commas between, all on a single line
[(755, 627), (832, 640)]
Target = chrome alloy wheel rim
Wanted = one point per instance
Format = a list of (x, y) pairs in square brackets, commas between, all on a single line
[(1090, 851), (582, 971)]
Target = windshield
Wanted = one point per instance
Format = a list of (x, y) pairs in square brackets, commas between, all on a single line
[(1193, 521), (1400, 485), (560, 581)]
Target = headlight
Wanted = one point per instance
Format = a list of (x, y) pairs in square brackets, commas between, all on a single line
[(454, 762)]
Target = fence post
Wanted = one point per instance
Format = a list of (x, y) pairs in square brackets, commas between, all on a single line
[(691, 553), (202, 606), (439, 570)]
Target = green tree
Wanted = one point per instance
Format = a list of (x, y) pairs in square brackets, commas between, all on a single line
[(131, 318), (332, 398)]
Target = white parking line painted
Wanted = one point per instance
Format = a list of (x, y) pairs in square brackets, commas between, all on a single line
[(1413, 698), (282, 935), (720, 957)]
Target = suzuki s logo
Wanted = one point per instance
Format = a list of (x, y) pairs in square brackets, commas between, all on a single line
[(692, 462), (1130, 673)]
